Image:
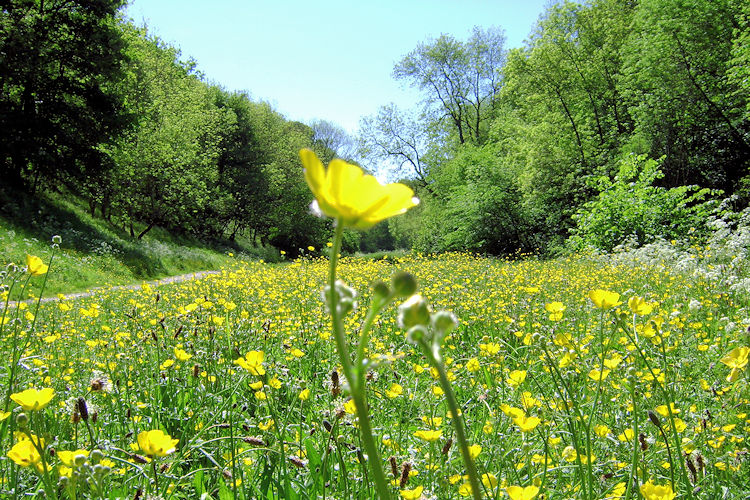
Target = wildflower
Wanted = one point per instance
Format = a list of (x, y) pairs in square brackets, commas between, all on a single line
[(24, 453), (428, 435), (556, 310), (516, 378), (474, 451), (473, 365), (489, 481), (68, 458), (32, 399), (412, 494), (304, 395), (639, 306), (736, 359), (395, 391), (35, 265), (651, 491), (521, 493), (252, 362), (343, 191), (604, 299), (156, 443), (527, 424)]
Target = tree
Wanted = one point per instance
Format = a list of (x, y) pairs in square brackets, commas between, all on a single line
[(460, 79), (685, 108), (165, 166), (399, 139), (332, 141), (58, 60)]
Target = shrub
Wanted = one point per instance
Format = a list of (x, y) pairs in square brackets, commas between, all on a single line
[(631, 207)]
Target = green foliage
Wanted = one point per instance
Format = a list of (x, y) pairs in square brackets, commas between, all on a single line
[(632, 207), (57, 107)]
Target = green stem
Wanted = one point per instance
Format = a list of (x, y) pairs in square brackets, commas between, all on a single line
[(357, 389), (457, 419)]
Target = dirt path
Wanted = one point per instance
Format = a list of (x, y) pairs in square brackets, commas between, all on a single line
[(88, 293)]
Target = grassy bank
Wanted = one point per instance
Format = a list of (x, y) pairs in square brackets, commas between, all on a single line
[(94, 252)]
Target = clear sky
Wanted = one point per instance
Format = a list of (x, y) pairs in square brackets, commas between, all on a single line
[(325, 59)]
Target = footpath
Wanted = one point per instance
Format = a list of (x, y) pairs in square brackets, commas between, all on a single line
[(88, 293)]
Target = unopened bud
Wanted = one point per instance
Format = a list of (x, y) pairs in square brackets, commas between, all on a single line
[(22, 420), (444, 322), (413, 312), (404, 284), (654, 419), (415, 334), (381, 290), (96, 456)]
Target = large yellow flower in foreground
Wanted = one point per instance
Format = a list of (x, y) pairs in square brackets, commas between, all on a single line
[(32, 399), (343, 191)]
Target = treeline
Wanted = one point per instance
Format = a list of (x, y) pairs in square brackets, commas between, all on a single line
[(94, 106), (618, 119)]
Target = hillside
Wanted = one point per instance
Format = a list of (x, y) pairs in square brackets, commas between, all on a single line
[(95, 252)]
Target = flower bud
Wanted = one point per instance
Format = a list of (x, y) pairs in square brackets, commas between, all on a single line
[(96, 456), (381, 290), (444, 322), (413, 312), (404, 284), (79, 460), (416, 334), (22, 420), (346, 297)]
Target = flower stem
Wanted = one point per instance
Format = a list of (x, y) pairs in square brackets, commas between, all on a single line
[(457, 419), (356, 383)]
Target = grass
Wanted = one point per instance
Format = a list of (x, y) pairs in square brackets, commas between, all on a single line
[(566, 400), (96, 253)]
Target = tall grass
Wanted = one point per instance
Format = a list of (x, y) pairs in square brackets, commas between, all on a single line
[(579, 401)]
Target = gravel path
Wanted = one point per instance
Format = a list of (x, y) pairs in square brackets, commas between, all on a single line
[(88, 293)]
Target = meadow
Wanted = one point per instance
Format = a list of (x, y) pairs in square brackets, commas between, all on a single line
[(576, 378)]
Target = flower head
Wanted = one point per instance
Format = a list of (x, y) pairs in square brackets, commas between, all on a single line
[(604, 299), (24, 453), (651, 491), (36, 266), (522, 493), (252, 362), (343, 191), (32, 399), (156, 443)]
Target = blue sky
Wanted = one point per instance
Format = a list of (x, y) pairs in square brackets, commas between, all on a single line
[(322, 59)]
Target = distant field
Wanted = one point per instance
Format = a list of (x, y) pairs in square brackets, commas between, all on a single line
[(555, 392)]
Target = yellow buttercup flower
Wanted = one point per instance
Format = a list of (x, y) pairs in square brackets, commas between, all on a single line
[(521, 493), (412, 494), (252, 362), (737, 358), (32, 399), (24, 453), (604, 299), (343, 191), (35, 265), (651, 491), (556, 310), (639, 306), (156, 443), (68, 458), (428, 435)]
